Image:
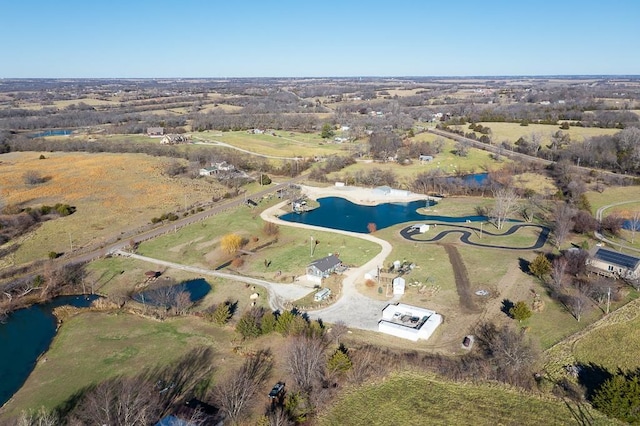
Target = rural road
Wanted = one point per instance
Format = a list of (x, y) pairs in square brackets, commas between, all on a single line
[(604, 239), (278, 294)]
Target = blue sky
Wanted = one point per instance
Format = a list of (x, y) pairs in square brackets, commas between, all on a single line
[(268, 38)]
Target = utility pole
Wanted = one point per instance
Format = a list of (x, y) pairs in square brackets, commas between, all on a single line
[(481, 223), (608, 299), (70, 241), (311, 246)]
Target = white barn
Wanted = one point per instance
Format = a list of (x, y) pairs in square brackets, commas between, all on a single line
[(409, 322)]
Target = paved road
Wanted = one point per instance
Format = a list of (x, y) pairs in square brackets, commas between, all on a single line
[(409, 234), (604, 239)]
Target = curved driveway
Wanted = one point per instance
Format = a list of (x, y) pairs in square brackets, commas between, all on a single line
[(352, 307), (278, 293), (408, 233), (601, 237)]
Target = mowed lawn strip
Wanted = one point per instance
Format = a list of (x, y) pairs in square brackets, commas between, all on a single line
[(413, 399), (92, 347)]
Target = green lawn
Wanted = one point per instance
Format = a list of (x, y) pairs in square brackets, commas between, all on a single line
[(413, 399), (92, 347), (199, 244)]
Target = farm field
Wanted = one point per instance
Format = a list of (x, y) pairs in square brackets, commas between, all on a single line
[(285, 144), (513, 131), (111, 192), (477, 161), (411, 398)]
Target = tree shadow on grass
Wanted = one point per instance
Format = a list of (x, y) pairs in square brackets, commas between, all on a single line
[(592, 376), (524, 265), (506, 307)]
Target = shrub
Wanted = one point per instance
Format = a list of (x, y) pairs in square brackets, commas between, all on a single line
[(370, 283), (33, 177), (520, 311), (231, 243), (237, 262), (221, 314), (270, 228)]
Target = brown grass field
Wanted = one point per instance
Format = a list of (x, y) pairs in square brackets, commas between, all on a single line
[(513, 131), (112, 193)]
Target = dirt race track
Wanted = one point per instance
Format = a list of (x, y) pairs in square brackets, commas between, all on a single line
[(461, 275)]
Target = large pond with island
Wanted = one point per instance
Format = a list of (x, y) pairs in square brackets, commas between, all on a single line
[(342, 214)]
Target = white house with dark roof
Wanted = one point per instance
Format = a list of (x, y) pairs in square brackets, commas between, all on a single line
[(614, 264), (322, 268)]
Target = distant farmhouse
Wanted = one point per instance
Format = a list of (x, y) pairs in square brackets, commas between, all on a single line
[(217, 168), (613, 264), (155, 132), (322, 268), (174, 139)]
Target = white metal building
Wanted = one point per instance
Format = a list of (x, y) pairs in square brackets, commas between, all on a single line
[(409, 322)]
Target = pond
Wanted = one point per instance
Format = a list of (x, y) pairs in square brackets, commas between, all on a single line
[(339, 213), (57, 132), (166, 295), (25, 336)]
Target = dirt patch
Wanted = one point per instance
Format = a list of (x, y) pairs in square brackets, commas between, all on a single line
[(463, 285)]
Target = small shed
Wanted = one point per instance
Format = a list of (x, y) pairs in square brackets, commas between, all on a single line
[(426, 158), (420, 227), (322, 295), (398, 285)]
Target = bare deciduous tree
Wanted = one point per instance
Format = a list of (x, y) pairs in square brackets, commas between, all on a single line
[(236, 393), (119, 401), (558, 269), (338, 330), (577, 305), (506, 203), (563, 222), (306, 361), (182, 302), (507, 348), (42, 417)]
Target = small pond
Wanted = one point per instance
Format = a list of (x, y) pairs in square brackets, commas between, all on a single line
[(339, 213), (25, 336), (57, 132), (166, 296)]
